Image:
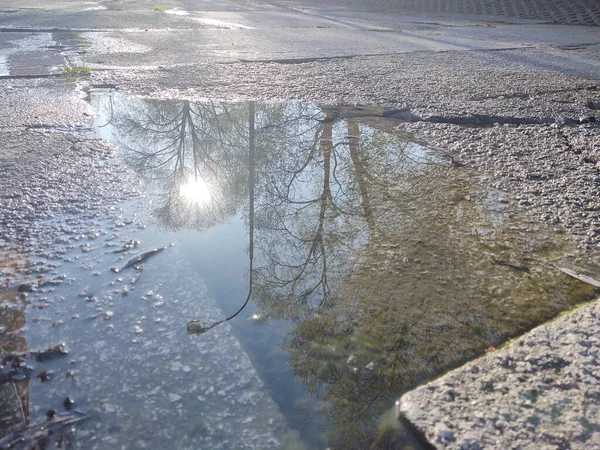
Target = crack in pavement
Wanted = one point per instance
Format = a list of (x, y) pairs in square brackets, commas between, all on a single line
[(30, 76), (485, 120)]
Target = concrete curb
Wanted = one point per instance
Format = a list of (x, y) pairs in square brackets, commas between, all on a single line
[(542, 391)]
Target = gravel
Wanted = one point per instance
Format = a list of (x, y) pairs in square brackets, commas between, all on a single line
[(44, 173)]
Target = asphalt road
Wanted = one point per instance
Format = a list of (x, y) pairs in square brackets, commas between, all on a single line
[(131, 34)]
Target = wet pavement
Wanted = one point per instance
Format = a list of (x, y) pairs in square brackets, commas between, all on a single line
[(230, 32), (399, 217)]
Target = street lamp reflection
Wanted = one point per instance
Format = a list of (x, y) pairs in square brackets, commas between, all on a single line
[(197, 326)]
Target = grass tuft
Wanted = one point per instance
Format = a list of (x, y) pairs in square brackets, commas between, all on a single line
[(158, 8), (75, 71)]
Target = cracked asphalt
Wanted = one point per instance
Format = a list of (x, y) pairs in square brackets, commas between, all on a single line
[(507, 93)]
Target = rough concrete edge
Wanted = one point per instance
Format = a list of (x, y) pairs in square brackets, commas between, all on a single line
[(404, 403)]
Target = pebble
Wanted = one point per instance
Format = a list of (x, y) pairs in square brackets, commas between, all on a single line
[(173, 398)]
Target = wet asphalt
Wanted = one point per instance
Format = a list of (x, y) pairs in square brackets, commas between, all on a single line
[(438, 67)]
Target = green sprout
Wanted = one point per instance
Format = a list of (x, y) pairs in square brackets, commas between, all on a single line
[(75, 71)]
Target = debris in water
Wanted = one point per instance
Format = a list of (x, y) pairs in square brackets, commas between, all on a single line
[(128, 246), (580, 276), (42, 431), (51, 352), (516, 266), (45, 375), (197, 327), (141, 258)]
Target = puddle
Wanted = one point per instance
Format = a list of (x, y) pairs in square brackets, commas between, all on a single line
[(372, 262), (14, 395), (104, 43), (29, 56), (39, 54)]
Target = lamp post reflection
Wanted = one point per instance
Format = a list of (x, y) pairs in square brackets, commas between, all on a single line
[(196, 326)]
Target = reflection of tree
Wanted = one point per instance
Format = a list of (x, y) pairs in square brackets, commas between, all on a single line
[(309, 274), (361, 174), (322, 203), (335, 206), (385, 258), (379, 253), (189, 146)]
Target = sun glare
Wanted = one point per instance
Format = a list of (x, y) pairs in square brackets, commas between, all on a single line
[(197, 191)]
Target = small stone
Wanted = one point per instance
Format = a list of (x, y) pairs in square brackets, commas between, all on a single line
[(45, 375), (471, 442), (174, 398), (443, 434), (68, 403), (487, 386), (26, 287)]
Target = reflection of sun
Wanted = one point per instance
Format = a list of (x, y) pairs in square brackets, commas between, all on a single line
[(196, 191)]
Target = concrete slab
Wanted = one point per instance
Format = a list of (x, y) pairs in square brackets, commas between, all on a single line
[(539, 392)]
